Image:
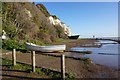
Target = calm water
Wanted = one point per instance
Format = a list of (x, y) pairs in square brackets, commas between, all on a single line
[(106, 55)]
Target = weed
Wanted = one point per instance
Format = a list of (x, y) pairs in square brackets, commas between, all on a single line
[(85, 52), (70, 76), (86, 60)]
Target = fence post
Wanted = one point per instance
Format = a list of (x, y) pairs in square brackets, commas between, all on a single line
[(33, 60), (63, 67), (14, 57)]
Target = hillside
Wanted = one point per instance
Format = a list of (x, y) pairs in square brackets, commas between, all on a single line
[(28, 22), (42, 8)]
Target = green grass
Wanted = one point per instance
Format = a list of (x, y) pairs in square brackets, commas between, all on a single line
[(19, 66), (6, 62), (40, 71), (59, 40), (70, 76)]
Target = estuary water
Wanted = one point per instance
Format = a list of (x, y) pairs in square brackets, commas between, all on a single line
[(107, 55)]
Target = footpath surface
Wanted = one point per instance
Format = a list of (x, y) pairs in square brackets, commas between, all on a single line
[(76, 67)]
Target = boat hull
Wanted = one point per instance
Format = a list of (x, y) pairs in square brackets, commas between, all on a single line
[(53, 48), (73, 37)]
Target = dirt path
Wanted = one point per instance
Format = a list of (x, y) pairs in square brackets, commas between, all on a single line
[(72, 66)]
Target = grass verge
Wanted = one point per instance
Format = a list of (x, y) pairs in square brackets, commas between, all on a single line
[(40, 71)]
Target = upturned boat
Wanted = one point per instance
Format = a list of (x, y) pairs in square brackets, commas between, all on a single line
[(52, 48)]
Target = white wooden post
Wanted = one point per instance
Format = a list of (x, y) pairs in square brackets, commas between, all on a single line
[(14, 57), (33, 60), (63, 67)]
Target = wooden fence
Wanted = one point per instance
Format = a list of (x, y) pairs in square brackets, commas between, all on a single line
[(33, 62)]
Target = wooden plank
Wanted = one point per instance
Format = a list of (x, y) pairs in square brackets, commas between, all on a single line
[(63, 67), (33, 60), (14, 57)]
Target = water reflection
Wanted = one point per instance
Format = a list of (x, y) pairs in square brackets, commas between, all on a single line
[(106, 55)]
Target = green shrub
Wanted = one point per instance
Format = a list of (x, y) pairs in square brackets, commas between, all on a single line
[(10, 30), (37, 42), (11, 44)]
